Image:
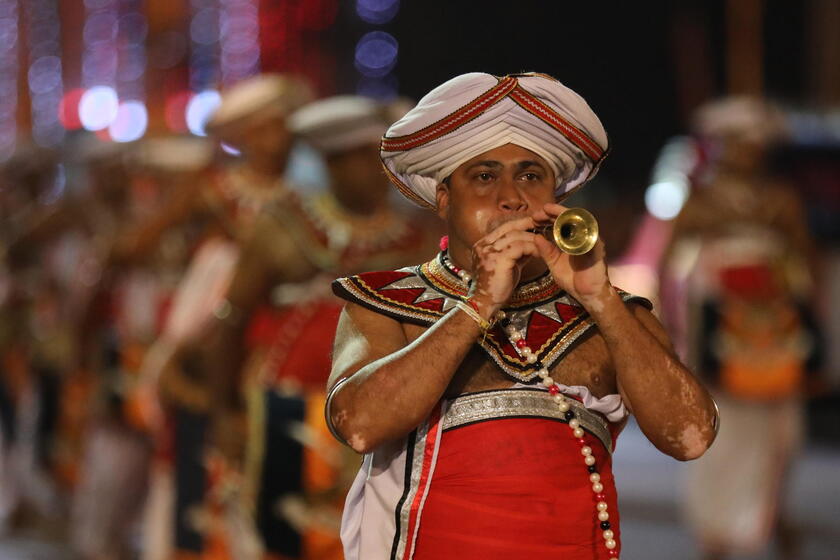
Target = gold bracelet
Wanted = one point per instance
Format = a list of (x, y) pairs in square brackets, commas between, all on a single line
[(467, 308)]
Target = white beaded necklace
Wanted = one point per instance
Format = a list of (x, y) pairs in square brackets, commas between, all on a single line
[(517, 338)]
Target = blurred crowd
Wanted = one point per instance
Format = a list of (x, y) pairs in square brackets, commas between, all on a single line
[(166, 324)]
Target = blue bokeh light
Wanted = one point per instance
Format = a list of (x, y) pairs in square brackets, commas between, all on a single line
[(377, 12), (376, 54), (199, 109)]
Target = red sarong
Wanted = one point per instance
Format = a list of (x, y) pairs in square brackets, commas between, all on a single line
[(515, 488)]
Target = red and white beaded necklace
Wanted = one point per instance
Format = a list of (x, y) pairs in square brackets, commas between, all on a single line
[(517, 338)]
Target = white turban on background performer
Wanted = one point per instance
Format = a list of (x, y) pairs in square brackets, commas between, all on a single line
[(473, 113), (263, 96), (340, 123)]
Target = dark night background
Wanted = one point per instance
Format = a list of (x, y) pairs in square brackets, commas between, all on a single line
[(619, 56)]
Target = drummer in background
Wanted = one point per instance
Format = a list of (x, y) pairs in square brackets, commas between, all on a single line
[(737, 282), (271, 353), (250, 121)]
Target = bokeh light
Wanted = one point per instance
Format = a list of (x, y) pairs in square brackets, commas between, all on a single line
[(9, 64), (239, 39), (204, 28), (377, 11), (376, 54), (98, 107), (44, 75), (199, 109), (68, 109), (100, 27), (132, 29), (204, 44), (100, 58), (130, 122), (665, 200)]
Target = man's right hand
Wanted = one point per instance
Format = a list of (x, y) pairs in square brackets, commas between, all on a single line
[(497, 264)]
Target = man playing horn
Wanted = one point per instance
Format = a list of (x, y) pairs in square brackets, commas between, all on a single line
[(487, 387)]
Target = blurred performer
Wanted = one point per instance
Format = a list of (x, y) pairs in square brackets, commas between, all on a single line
[(139, 279), (35, 344), (78, 324), (737, 283), (252, 120), (487, 386), (109, 466), (280, 304)]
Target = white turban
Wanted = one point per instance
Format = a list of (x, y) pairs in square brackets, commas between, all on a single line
[(750, 118), (474, 113), (340, 123), (263, 95)]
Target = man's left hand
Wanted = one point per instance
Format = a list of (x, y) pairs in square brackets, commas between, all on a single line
[(584, 277)]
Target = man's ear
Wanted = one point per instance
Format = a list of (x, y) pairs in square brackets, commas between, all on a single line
[(442, 200)]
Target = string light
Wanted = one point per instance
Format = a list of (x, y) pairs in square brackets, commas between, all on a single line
[(204, 64), (131, 118), (204, 42), (376, 54), (44, 75), (376, 51), (8, 76), (377, 11), (100, 59), (239, 39)]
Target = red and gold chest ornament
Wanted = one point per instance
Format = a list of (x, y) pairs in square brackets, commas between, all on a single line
[(550, 321)]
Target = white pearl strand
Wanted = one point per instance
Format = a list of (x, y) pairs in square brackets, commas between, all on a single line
[(530, 357), (526, 353)]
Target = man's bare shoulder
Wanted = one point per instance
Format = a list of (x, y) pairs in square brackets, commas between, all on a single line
[(363, 336), (367, 321)]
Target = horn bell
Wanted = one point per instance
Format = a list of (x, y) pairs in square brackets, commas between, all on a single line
[(575, 231)]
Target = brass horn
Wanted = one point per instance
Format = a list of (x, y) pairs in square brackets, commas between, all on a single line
[(575, 231)]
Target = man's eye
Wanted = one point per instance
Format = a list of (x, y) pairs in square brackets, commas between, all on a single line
[(485, 176), (531, 176)]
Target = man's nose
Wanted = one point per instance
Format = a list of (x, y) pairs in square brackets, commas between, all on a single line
[(510, 197)]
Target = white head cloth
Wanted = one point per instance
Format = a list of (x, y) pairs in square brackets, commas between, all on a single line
[(340, 123), (263, 95), (749, 118), (477, 112)]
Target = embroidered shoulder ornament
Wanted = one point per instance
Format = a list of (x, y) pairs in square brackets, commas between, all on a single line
[(550, 321)]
